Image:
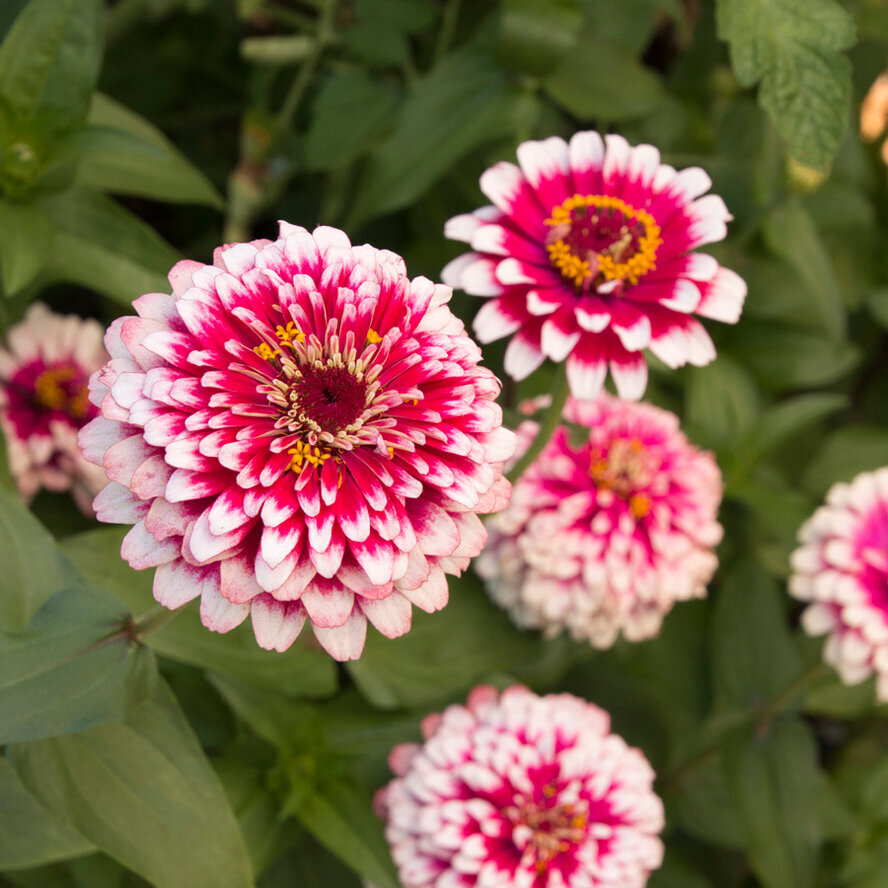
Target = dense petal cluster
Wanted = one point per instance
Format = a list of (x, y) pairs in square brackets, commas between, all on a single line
[(44, 371), (605, 536), (521, 791), (586, 254), (841, 567), (298, 432)]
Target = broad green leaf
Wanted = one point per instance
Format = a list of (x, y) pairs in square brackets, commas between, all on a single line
[(463, 103), (629, 24), (792, 47), (339, 814), (310, 865), (367, 105), (75, 665), (535, 34), (302, 670), (834, 699), (143, 792), (25, 244), (677, 873), (601, 79), (29, 834), (121, 152), (790, 234), (99, 244), (753, 657), (50, 58), (380, 29), (845, 453), (32, 570), (722, 401), (774, 780), (705, 809)]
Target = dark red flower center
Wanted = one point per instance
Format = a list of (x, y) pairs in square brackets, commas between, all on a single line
[(598, 238), (554, 829), (329, 396)]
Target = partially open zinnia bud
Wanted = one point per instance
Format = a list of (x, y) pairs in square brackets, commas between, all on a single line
[(44, 370), (841, 568), (299, 432), (514, 790), (605, 535)]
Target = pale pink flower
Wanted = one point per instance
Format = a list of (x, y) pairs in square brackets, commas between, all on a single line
[(586, 254), (874, 110), (841, 567), (44, 370), (298, 432), (605, 535), (514, 790)]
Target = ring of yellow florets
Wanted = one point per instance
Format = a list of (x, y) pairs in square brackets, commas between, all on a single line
[(599, 237), (56, 388), (622, 470)]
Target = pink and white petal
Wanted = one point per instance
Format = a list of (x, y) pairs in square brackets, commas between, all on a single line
[(723, 297), (377, 558), (493, 322), (237, 580), (629, 373), (176, 583), (219, 614), (463, 227), (546, 166), (586, 150), (390, 616), (587, 367), (345, 642), (116, 504), (327, 603), (430, 596), (506, 186), (523, 353), (276, 624), (141, 550)]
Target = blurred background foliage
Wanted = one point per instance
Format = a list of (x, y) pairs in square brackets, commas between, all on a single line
[(139, 131)]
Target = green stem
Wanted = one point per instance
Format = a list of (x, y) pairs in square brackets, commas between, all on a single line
[(152, 620), (448, 29), (551, 421)]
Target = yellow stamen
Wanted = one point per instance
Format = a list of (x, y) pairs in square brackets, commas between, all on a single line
[(373, 337), (304, 454), (266, 352)]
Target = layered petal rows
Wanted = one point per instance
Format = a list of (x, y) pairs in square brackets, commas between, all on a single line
[(605, 536), (298, 432), (841, 568), (44, 371), (520, 791), (586, 254)]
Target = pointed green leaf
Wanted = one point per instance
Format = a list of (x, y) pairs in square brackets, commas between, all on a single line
[(25, 244)]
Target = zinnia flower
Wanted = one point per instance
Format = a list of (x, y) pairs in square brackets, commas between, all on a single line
[(298, 432), (841, 567), (604, 536), (586, 255), (520, 791), (44, 371)]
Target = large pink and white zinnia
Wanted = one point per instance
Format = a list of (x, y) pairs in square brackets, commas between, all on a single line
[(514, 790), (841, 568), (44, 370), (298, 432), (587, 253), (605, 535)]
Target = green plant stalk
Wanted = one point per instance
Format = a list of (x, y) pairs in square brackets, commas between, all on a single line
[(152, 620)]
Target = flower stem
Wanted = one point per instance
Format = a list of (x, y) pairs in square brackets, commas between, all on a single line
[(551, 421), (447, 29), (152, 620)]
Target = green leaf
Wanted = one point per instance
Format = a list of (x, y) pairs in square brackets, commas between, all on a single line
[(75, 665), (302, 670), (32, 571), (351, 95), (792, 47), (705, 808), (99, 244), (722, 402), (29, 834), (602, 79), (463, 103), (753, 658), (339, 814), (774, 780), (25, 244), (121, 152), (791, 235), (535, 34), (144, 793), (845, 453), (49, 61)]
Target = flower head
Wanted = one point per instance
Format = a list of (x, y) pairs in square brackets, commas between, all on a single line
[(521, 791), (44, 371), (841, 567), (604, 536), (298, 432), (586, 254)]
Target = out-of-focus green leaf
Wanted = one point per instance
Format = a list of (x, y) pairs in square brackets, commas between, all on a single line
[(25, 244), (339, 814), (677, 873), (705, 808), (29, 834), (277, 49), (380, 30), (49, 61), (600, 79), (753, 658), (629, 24), (790, 234), (837, 819), (303, 670), (32, 570), (535, 34), (144, 793), (75, 665), (722, 402), (834, 699), (310, 865), (351, 96), (792, 47), (462, 103), (121, 152), (845, 453), (774, 780), (99, 244)]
